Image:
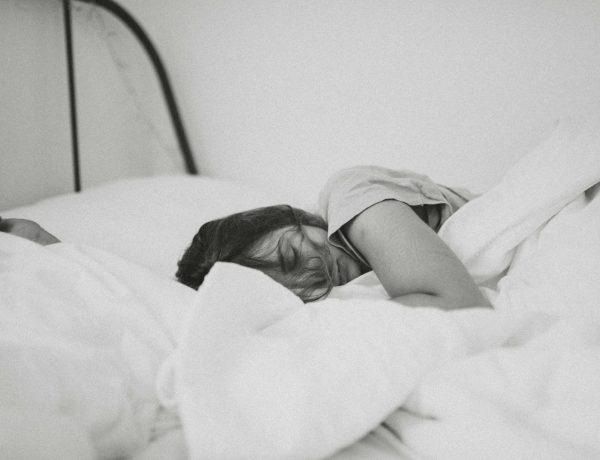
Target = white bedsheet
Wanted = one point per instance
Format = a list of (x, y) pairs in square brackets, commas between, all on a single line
[(258, 375)]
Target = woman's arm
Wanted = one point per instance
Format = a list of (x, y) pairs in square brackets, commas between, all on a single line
[(414, 265), (27, 229)]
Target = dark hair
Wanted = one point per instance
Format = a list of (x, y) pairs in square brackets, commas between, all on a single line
[(236, 238)]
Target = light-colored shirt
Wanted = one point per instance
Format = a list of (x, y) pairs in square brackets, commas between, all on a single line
[(350, 191)]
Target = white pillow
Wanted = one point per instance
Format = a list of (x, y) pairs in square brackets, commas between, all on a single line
[(150, 221)]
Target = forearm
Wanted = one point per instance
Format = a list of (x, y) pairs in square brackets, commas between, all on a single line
[(27, 229), (414, 265), (443, 303)]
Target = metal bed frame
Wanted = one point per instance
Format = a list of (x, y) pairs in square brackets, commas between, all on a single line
[(159, 68)]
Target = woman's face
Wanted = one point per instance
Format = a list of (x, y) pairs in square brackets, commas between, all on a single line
[(344, 267), (312, 243)]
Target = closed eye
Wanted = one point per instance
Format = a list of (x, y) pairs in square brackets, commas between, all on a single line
[(289, 259), (295, 259)]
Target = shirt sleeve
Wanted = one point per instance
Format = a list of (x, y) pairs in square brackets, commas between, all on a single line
[(350, 191)]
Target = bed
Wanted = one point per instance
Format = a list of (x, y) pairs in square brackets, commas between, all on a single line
[(104, 355)]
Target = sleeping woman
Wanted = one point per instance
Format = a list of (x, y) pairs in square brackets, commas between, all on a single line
[(371, 218)]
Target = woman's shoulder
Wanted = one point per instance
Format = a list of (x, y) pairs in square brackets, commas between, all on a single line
[(366, 175), (363, 172), (360, 179), (351, 190)]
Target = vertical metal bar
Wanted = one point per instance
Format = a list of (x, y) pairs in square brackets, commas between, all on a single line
[(72, 94)]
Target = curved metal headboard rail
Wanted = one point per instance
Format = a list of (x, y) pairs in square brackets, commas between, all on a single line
[(159, 68)]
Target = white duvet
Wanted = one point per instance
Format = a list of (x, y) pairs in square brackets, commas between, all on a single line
[(258, 375), (82, 335), (101, 357)]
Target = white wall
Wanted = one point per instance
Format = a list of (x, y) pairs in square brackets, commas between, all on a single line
[(289, 91), (282, 93), (32, 103), (123, 127)]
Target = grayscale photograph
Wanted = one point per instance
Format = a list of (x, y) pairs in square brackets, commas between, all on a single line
[(300, 230)]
